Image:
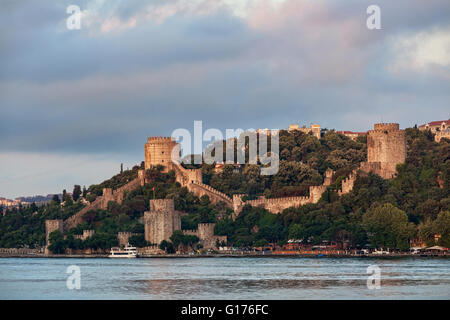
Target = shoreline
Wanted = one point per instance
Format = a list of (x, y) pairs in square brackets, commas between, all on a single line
[(185, 256)]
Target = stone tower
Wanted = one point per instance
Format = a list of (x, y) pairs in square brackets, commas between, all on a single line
[(52, 225), (158, 151), (386, 147), (161, 221)]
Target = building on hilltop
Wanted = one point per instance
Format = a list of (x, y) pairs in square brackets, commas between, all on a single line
[(352, 135), (435, 126), (442, 134), (158, 151), (314, 129), (441, 129)]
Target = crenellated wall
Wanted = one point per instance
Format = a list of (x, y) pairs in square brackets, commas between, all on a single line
[(86, 234), (158, 151), (277, 205), (348, 183), (101, 202), (192, 179), (205, 233), (123, 237), (161, 221), (386, 147), (50, 226)]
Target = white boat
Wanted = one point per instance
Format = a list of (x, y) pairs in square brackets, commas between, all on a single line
[(127, 252)]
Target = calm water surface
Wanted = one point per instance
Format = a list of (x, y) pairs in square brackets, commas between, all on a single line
[(225, 278)]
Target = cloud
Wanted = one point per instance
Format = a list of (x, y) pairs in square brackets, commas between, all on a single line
[(141, 68), (422, 52)]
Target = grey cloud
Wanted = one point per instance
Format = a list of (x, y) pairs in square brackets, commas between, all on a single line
[(70, 91)]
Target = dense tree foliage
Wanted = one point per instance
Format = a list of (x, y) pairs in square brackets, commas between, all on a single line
[(378, 212)]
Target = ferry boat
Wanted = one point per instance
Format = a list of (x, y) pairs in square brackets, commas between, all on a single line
[(127, 252)]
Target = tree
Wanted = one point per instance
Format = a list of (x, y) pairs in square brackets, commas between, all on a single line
[(56, 199), (441, 226), (388, 227), (167, 246), (137, 241), (57, 242), (178, 238), (84, 192), (76, 192)]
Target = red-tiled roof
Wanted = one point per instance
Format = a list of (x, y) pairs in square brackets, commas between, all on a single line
[(436, 123)]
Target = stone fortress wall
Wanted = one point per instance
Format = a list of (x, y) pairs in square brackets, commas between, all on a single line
[(158, 151), (348, 183), (101, 202), (386, 147), (123, 237), (161, 221), (86, 234), (205, 233), (52, 225)]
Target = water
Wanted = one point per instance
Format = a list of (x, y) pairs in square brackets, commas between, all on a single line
[(225, 278)]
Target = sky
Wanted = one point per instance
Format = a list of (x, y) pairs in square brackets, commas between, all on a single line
[(74, 104)]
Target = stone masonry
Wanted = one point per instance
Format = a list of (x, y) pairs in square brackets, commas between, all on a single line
[(102, 201), (386, 147), (50, 226), (158, 151), (161, 221), (205, 233), (123, 237)]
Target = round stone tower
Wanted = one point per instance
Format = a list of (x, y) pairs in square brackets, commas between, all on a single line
[(386, 145), (158, 151)]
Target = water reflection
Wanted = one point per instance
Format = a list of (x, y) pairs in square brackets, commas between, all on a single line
[(225, 278)]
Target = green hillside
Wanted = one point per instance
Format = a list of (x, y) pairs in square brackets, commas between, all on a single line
[(380, 212)]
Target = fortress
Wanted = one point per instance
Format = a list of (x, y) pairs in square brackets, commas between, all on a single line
[(161, 221), (386, 148), (158, 151)]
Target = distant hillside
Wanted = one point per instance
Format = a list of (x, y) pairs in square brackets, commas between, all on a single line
[(38, 199)]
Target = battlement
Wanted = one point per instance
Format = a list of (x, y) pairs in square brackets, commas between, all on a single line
[(123, 237), (50, 226), (162, 204), (212, 190), (386, 127), (205, 230), (386, 145), (160, 139), (264, 200)]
